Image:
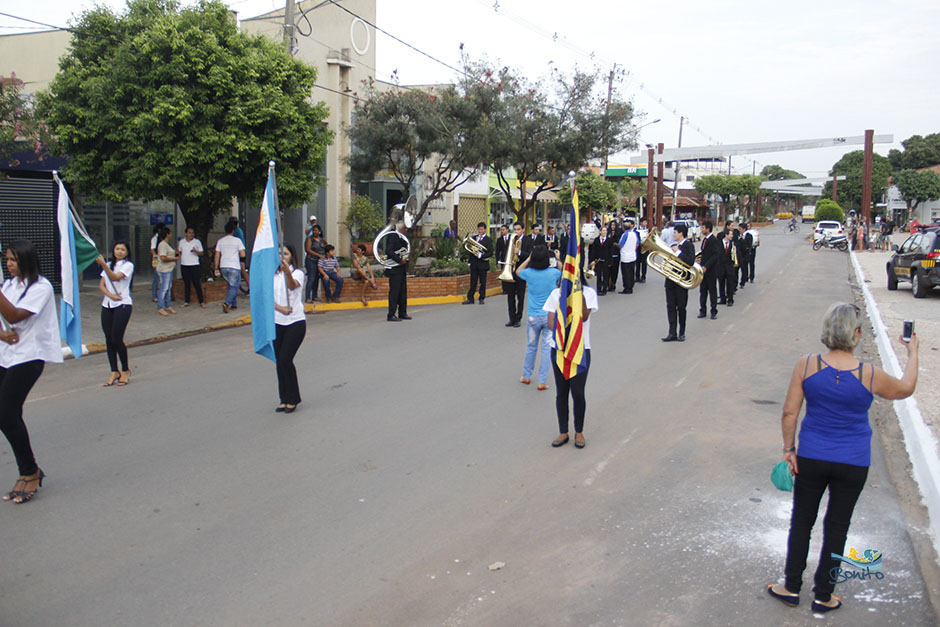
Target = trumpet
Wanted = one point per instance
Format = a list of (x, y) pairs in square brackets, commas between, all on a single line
[(472, 246), (512, 258), (663, 260), (734, 255), (406, 211)]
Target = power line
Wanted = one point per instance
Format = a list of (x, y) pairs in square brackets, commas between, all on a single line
[(26, 19)]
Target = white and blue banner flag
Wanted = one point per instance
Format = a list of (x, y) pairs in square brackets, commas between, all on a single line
[(76, 252), (265, 259)]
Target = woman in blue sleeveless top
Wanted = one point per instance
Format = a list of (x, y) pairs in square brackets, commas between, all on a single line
[(835, 446)]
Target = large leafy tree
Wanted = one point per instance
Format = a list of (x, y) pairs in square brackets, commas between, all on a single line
[(21, 130), (728, 187), (170, 102), (594, 193), (540, 130), (412, 133), (917, 186), (779, 173), (919, 152), (852, 166)]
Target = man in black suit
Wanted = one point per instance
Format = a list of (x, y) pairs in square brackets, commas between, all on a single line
[(677, 297), (480, 264), (397, 286), (745, 246), (599, 256), (613, 265), (711, 248), (515, 292), (727, 273)]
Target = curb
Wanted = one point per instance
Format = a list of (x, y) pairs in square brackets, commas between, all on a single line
[(93, 348), (919, 441)]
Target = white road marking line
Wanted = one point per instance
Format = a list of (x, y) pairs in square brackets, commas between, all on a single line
[(680, 382), (599, 466), (728, 329), (748, 306)]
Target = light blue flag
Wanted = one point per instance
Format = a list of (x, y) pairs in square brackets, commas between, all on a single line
[(76, 252), (264, 262)]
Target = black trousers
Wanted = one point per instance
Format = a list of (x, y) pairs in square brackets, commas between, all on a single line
[(287, 339), (575, 387), (397, 292), (614, 268), (845, 483), (751, 257), (727, 284), (677, 299), (15, 384), (191, 277), (113, 323), (744, 269), (627, 271), (641, 266), (478, 275), (603, 279), (708, 289), (515, 297)]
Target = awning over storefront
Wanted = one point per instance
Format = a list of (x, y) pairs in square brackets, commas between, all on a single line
[(626, 170), (544, 196)]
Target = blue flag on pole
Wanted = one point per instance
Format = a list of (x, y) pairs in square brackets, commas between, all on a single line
[(76, 252), (265, 259)]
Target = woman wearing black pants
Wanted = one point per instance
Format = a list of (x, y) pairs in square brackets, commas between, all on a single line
[(290, 326), (28, 339), (575, 385), (116, 307)]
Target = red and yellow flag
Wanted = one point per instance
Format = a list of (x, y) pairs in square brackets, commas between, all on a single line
[(569, 317)]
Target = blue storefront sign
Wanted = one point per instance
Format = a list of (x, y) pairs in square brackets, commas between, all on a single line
[(161, 218)]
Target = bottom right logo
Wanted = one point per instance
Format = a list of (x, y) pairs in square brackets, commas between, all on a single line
[(855, 566)]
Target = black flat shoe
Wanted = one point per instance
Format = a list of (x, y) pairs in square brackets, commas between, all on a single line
[(467, 302), (819, 608), (670, 338), (404, 317), (681, 338), (517, 324), (480, 301), (790, 599), (280, 408), (701, 314), (714, 316), (393, 319), (559, 442), (579, 443), (289, 409), (510, 323)]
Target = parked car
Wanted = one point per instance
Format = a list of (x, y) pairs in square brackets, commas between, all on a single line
[(916, 261), (695, 229), (830, 228)]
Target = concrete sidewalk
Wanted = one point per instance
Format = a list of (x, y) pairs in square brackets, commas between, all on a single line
[(147, 327)]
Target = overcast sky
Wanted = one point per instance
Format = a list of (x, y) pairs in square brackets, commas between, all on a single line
[(740, 71)]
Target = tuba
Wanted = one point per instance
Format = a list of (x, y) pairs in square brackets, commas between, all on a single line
[(663, 260), (407, 214), (472, 246), (512, 258)]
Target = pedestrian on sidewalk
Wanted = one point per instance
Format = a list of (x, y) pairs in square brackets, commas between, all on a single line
[(229, 257), (290, 327), (329, 270), (166, 264), (29, 338), (834, 446), (314, 247), (154, 242), (363, 271), (190, 251), (116, 307)]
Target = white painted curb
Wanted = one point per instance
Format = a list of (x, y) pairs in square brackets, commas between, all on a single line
[(919, 440)]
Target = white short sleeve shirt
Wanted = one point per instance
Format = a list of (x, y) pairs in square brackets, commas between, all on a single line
[(38, 333), (551, 305), (229, 247), (296, 298), (122, 287), (187, 255)]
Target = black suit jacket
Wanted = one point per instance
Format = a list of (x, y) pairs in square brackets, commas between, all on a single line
[(597, 250), (711, 249), (687, 252), (724, 257), (501, 248), (483, 261)]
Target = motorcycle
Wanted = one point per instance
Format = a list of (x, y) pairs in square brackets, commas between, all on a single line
[(832, 241)]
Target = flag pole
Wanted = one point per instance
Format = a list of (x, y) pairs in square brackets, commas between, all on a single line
[(277, 212)]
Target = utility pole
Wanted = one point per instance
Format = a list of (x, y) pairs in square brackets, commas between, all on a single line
[(659, 188), (610, 90), (289, 27), (835, 187), (866, 177), (675, 176)]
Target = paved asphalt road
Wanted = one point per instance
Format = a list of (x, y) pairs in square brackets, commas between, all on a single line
[(417, 460)]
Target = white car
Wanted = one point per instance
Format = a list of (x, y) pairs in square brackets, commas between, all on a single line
[(695, 229), (831, 228)]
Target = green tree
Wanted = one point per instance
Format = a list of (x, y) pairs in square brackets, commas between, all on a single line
[(21, 130), (828, 209), (170, 102), (919, 152), (778, 173), (540, 130), (594, 193), (363, 218), (410, 133), (850, 190), (917, 186), (728, 186)]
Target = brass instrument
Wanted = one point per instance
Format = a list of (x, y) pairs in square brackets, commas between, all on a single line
[(589, 273), (512, 258), (663, 260), (472, 246), (405, 212), (734, 255)]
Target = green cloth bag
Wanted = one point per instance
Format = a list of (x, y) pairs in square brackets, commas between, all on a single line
[(781, 477)]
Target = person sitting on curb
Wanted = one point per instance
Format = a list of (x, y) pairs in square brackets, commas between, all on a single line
[(329, 269), (363, 271)]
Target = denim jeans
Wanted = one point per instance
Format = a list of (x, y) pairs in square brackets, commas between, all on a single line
[(233, 276), (537, 333), (155, 284), (163, 295), (326, 285)]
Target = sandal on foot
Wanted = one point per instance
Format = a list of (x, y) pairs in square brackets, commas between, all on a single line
[(17, 488), (525, 381), (579, 440), (543, 386), (559, 441), (789, 598), (111, 380), (24, 495), (124, 379), (821, 608)]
